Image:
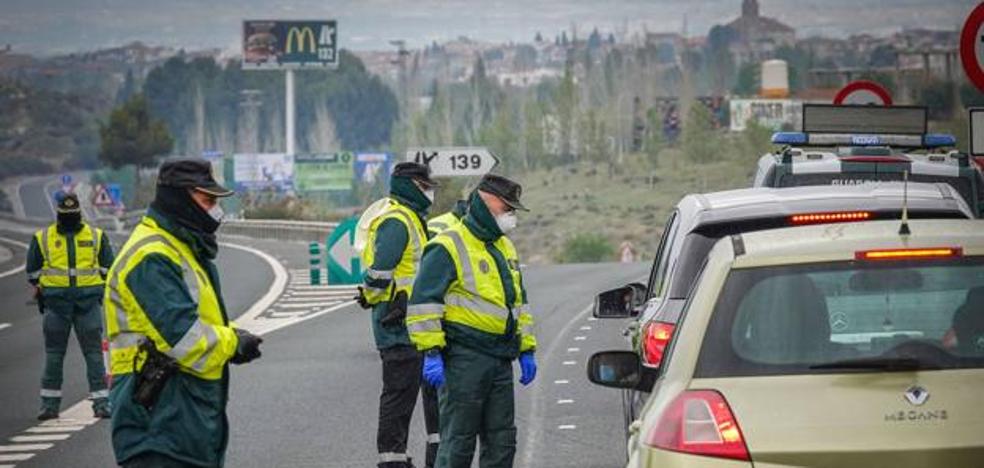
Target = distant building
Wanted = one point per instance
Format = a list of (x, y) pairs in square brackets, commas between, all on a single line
[(757, 37)]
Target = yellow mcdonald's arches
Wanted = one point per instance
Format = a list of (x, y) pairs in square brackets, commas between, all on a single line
[(298, 38)]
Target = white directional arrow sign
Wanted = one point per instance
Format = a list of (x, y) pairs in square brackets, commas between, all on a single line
[(455, 162), (343, 253)]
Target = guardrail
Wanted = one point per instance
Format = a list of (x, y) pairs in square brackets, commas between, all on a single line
[(279, 229)]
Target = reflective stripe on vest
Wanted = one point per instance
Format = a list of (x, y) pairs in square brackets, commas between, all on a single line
[(405, 272), (56, 271)]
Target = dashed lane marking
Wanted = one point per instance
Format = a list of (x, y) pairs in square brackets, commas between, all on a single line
[(25, 447), (51, 429), (586, 328), (573, 350), (562, 382), (580, 338), (4, 325), (565, 402), (567, 427), (40, 438), (569, 363)]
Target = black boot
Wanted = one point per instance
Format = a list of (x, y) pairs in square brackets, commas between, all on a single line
[(47, 413)]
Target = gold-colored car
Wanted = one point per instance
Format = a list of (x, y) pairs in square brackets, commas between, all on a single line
[(847, 345)]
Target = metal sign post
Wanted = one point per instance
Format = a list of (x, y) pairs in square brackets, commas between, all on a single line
[(455, 162)]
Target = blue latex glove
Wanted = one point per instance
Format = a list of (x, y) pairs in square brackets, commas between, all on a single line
[(434, 369), (527, 367)]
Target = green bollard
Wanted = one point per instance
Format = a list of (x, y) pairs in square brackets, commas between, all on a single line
[(315, 251)]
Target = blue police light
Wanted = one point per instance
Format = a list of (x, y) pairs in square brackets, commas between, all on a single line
[(789, 138), (937, 140)]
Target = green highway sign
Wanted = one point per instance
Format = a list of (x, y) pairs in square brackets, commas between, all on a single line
[(278, 45), (323, 172)]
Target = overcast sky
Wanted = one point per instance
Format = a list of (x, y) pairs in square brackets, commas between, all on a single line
[(58, 26)]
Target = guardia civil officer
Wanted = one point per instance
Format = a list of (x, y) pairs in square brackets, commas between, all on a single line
[(439, 224), (170, 338), (67, 263), (395, 243), (469, 314)]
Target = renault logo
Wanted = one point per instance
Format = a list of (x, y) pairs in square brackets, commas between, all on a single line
[(301, 39), (916, 395)]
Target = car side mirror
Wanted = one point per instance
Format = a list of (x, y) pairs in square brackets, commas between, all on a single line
[(621, 302), (615, 369)]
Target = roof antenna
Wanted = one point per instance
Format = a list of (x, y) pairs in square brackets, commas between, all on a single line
[(904, 228)]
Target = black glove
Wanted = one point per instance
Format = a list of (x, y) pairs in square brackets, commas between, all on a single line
[(248, 348), (360, 297), (397, 310)]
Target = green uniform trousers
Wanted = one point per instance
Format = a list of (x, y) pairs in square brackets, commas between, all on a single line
[(57, 325), (476, 401)]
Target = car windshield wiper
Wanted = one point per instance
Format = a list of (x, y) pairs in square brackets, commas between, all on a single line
[(879, 363)]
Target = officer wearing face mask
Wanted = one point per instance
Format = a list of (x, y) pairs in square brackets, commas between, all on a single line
[(170, 339), (396, 238), (66, 264), (468, 313)]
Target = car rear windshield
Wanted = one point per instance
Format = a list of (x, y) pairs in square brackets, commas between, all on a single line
[(847, 317), (961, 184)]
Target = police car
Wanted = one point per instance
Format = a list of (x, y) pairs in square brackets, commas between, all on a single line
[(851, 145)]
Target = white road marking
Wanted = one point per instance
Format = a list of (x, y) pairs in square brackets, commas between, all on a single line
[(567, 427), (580, 338), (570, 363), (40, 438), (573, 350), (307, 305), (329, 293), (63, 421), (586, 328), (18, 268), (592, 319), (12, 457), (562, 382), (49, 429), (564, 402), (4, 325), (25, 447)]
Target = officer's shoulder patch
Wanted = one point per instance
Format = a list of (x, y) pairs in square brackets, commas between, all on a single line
[(483, 266)]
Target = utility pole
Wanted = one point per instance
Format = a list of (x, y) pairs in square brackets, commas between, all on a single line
[(249, 132)]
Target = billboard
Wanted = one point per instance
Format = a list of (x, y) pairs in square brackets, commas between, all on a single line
[(323, 172), (263, 170), (278, 45), (775, 114)]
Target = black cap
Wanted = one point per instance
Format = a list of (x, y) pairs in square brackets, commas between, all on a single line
[(503, 188), (68, 203), (192, 173), (416, 171)]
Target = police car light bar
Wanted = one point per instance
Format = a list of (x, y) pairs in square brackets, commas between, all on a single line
[(931, 140)]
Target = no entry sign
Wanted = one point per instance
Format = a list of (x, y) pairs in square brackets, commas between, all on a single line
[(972, 47), (863, 92)]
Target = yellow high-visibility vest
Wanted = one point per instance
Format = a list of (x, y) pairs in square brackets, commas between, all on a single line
[(403, 275), (476, 298), (441, 223), (56, 271), (204, 348)]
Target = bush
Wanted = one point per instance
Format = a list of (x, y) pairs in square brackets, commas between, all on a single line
[(586, 248)]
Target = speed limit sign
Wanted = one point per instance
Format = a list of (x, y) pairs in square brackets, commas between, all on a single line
[(455, 162), (863, 92), (972, 47)]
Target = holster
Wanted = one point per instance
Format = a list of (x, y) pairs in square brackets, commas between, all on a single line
[(153, 376), (397, 311)]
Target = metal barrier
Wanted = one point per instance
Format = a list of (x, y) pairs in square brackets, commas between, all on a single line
[(278, 229)]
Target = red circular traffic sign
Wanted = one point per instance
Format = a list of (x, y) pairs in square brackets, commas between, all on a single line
[(972, 48), (863, 92)]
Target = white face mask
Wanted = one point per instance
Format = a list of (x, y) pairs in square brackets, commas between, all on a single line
[(429, 193), (216, 213), (507, 221)]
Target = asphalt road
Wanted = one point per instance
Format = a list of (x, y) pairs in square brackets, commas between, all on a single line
[(35, 195), (313, 397)]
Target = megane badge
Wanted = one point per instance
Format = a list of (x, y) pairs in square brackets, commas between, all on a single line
[(916, 395)]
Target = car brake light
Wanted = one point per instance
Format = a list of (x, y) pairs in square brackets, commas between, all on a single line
[(875, 159), (655, 337), (822, 218), (699, 422), (908, 254)]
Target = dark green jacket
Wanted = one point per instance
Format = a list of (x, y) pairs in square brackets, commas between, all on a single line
[(437, 272), (392, 239), (189, 421), (65, 300)]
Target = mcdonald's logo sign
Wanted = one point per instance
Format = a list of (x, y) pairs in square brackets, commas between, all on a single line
[(301, 39)]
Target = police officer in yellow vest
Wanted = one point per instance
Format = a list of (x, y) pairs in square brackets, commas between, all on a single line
[(170, 338), (469, 314), (67, 263), (395, 243)]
